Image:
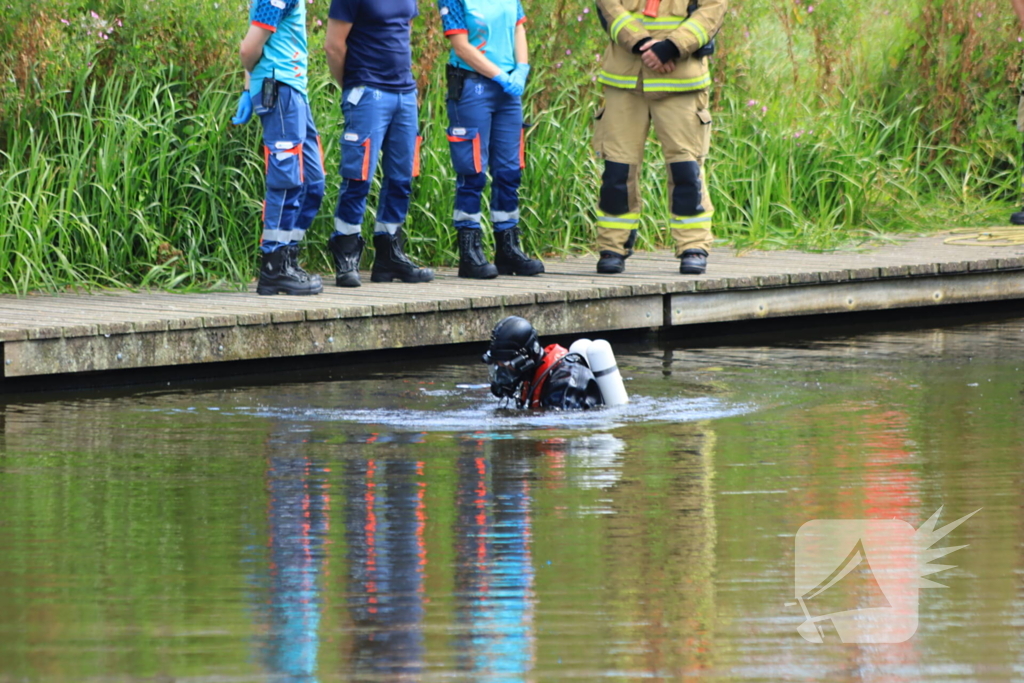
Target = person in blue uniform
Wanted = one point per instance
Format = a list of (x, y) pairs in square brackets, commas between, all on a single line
[(487, 72), (275, 56), (370, 57)]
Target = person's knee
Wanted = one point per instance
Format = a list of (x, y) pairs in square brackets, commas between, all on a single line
[(508, 177), (686, 190), (615, 189)]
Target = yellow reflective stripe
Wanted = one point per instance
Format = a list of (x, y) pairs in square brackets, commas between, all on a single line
[(676, 84), (701, 220), (697, 30), (626, 221), (670, 23), (619, 23), (617, 81)]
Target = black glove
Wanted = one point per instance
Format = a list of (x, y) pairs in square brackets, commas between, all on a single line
[(638, 48), (666, 51)]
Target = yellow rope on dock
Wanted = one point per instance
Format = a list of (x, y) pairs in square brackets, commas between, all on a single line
[(987, 237)]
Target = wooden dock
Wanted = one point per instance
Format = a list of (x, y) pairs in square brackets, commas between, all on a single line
[(76, 333)]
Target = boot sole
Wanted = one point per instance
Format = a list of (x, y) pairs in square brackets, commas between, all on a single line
[(271, 291), (692, 271), (509, 270), (484, 276), (348, 280), (391, 277)]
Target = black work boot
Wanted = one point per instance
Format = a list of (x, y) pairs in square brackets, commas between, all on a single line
[(1017, 218), (278, 276), (293, 259), (509, 257), (693, 262), (472, 262), (611, 263), (390, 261), (347, 250)]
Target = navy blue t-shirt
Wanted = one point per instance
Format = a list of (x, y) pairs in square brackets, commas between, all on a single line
[(379, 54)]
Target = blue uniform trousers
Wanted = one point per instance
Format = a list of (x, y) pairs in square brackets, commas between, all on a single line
[(294, 166), (486, 132), (376, 122)]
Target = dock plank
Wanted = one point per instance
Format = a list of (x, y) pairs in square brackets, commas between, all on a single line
[(81, 331)]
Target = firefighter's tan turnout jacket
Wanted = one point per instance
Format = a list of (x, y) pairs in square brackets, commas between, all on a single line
[(628, 26)]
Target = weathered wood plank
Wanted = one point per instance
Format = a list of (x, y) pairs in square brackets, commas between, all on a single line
[(175, 347), (688, 309)]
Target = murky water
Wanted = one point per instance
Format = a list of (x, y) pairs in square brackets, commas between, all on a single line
[(404, 527)]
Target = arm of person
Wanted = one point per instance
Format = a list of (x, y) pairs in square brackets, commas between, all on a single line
[(624, 28), (251, 49), (698, 30), (1018, 7), (477, 60), (523, 47), (336, 46)]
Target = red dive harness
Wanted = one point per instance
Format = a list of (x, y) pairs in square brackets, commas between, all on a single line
[(530, 395)]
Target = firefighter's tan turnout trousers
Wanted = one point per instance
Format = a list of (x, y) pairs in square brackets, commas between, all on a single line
[(683, 126)]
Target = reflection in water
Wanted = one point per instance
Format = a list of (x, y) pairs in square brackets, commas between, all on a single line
[(298, 521), (385, 520), (655, 543), (494, 567)]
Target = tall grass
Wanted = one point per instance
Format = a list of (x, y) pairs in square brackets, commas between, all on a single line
[(118, 165)]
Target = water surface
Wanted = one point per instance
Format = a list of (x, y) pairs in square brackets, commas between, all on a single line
[(404, 526)]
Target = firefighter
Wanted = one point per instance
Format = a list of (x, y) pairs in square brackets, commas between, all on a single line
[(656, 70), (537, 377)]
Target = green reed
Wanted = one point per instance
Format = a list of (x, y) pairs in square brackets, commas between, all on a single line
[(119, 167)]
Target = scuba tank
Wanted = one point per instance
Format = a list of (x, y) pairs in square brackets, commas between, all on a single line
[(602, 362), (580, 346)]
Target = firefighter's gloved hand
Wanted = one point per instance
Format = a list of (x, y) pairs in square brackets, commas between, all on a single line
[(519, 76), (639, 47), (506, 83), (244, 112), (666, 51)]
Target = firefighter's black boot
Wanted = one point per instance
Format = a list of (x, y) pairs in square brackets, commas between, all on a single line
[(693, 262), (279, 276), (472, 262), (509, 257), (612, 262), (390, 262), (1017, 218), (347, 250)]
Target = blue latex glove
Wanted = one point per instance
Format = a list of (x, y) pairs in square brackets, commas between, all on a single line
[(522, 71), (244, 112), (508, 85)]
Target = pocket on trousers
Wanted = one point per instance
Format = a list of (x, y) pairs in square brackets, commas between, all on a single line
[(705, 128), (284, 166), (598, 140), (416, 156), (355, 156), (465, 147)]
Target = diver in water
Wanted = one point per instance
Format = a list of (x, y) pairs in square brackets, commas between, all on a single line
[(551, 377)]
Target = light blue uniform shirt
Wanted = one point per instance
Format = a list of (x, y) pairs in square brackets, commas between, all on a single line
[(490, 26), (286, 54)]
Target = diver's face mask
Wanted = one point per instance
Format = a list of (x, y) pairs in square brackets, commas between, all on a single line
[(506, 376)]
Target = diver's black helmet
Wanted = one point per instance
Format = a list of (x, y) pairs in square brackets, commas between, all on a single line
[(513, 337), (513, 355)]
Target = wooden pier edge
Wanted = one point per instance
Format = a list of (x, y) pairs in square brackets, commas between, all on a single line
[(85, 333)]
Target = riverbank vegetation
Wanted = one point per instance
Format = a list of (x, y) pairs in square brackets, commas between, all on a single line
[(836, 123)]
